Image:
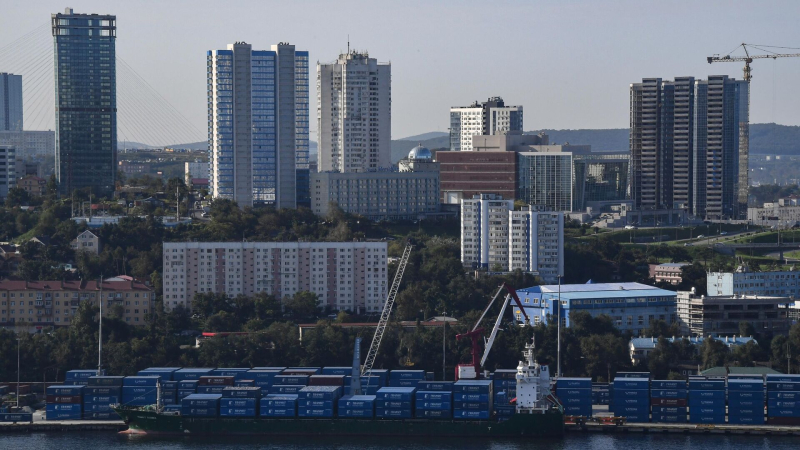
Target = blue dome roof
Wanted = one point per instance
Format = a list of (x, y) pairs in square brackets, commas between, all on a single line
[(420, 152)]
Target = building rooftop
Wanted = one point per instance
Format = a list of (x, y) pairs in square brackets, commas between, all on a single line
[(649, 343), (596, 290), (681, 264), (722, 371), (79, 285)]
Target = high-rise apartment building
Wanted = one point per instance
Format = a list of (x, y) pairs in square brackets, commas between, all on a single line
[(544, 180), (258, 124), (487, 118), (345, 275), (354, 114), (8, 171), (86, 101), (496, 237), (687, 144), (10, 102), (721, 117)]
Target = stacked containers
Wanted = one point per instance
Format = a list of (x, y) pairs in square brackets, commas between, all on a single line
[(288, 384), (213, 384), (164, 372), (576, 396), (357, 406), (186, 388), (631, 399), (169, 387), (669, 399), (237, 372), (405, 378), (190, 374), (276, 405), (434, 399), (783, 399), (369, 385), (746, 401), (99, 395), (472, 399), (79, 377), (318, 401), (262, 378), (239, 401), (200, 405), (302, 371), (394, 402), (64, 402), (336, 370), (601, 393), (169, 392), (706, 401), (326, 380), (505, 389), (140, 391)]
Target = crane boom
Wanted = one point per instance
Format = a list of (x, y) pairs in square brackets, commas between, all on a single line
[(747, 59), (387, 310)]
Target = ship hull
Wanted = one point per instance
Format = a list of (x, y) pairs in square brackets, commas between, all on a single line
[(519, 425)]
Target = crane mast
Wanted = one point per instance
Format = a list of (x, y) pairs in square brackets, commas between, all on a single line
[(387, 310)]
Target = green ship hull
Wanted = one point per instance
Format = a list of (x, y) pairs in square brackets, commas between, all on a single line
[(518, 425)]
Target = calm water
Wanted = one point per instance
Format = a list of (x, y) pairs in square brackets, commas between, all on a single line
[(95, 441)]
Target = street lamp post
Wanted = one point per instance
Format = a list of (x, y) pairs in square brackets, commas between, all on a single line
[(558, 365), (444, 345), (18, 341)]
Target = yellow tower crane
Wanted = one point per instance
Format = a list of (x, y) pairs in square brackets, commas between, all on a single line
[(748, 58)]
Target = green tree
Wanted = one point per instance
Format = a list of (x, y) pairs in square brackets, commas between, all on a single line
[(303, 305)]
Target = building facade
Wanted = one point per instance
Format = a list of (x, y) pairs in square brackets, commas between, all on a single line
[(466, 174), (409, 194), (545, 180), (8, 171), (354, 114), (631, 306), (497, 238), (783, 213), (689, 145), (641, 347), (784, 283), (486, 118), (599, 179), (667, 272), (36, 305), (30, 144), (348, 276), (10, 102), (86, 101), (196, 169), (258, 124), (713, 315), (33, 185), (86, 242)]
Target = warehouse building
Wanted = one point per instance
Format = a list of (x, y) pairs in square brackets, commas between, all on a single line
[(631, 306), (701, 315)]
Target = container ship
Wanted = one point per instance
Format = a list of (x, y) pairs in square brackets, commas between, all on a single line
[(311, 402)]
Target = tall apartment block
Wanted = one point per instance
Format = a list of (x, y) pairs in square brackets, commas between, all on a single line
[(721, 119), (487, 118), (8, 171), (86, 101), (345, 275), (496, 237), (354, 114), (258, 124), (688, 139), (10, 102)]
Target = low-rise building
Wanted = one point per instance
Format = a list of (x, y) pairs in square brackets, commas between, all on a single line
[(720, 315), (667, 272), (632, 306), (784, 212), (36, 305), (347, 276), (381, 195), (29, 143), (133, 168), (641, 347), (743, 281), (195, 169), (33, 185), (86, 242)]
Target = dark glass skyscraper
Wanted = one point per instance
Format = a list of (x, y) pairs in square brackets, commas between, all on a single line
[(86, 101)]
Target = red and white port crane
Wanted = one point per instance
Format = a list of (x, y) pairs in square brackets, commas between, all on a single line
[(473, 370)]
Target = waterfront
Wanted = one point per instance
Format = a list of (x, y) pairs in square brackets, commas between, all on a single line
[(81, 441)]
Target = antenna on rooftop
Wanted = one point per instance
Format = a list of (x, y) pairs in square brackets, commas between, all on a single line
[(348, 44)]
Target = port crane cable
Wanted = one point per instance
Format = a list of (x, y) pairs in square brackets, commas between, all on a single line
[(387, 310)]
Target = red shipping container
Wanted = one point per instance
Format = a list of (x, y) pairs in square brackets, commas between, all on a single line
[(24, 389), (216, 381), (668, 401), (326, 380), (63, 399)]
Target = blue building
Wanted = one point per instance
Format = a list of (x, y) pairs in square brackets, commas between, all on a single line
[(632, 306), (258, 125), (86, 101)]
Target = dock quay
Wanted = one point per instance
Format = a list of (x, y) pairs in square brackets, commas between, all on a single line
[(680, 428)]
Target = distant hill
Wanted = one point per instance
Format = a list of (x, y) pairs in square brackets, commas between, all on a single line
[(425, 136), (774, 139)]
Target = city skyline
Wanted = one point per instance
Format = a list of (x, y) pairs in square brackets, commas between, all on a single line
[(431, 68)]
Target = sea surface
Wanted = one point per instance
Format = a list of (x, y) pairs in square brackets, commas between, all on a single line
[(103, 440)]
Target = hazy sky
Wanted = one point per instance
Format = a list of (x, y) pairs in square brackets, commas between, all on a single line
[(568, 62)]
